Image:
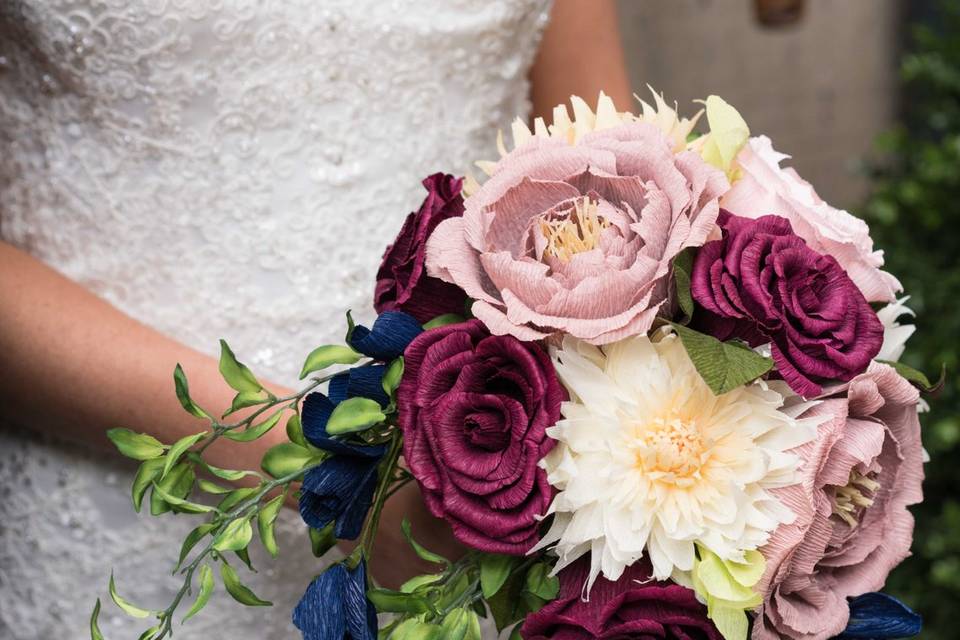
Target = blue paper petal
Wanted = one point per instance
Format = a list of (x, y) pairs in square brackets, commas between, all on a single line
[(359, 382), (314, 415), (340, 489), (877, 616), (391, 334), (320, 614), (360, 613), (335, 606)]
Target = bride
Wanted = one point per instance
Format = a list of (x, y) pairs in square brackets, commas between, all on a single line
[(176, 171)]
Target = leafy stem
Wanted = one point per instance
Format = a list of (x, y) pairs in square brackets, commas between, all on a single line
[(246, 509)]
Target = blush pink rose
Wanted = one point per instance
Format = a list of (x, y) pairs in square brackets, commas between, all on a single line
[(578, 239), (852, 527), (766, 188)]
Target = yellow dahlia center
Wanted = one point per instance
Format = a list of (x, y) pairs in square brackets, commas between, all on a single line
[(670, 448), (850, 499), (577, 232)]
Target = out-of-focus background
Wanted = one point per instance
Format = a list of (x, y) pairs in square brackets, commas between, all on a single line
[(866, 97)]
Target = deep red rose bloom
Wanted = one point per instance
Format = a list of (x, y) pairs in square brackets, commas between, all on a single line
[(762, 283), (402, 280), (632, 607), (474, 409)]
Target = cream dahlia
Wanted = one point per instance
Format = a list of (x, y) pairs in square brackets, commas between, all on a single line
[(650, 461)]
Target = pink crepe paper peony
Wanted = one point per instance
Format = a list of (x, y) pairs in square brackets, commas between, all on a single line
[(868, 451), (766, 188), (578, 239)]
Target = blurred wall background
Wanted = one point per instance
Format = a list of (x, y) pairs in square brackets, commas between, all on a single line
[(822, 87)]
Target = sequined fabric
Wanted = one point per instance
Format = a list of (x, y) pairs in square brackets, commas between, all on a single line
[(218, 169)]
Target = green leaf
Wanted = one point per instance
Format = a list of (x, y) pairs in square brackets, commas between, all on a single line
[(351, 325), (184, 505), (246, 399), (724, 366), (178, 483), (234, 536), (286, 458), (494, 571), (138, 446), (191, 541), (178, 449), (235, 497), (460, 624), (295, 431), (183, 394), (414, 629), (252, 433), (353, 415), (237, 375), (445, 319), (506, 605), (149, 633), (130, 609), (244, 555), (416, 582), (421, 552), (227, 474), (322, 540), (94, 622), (206, 589), (212, 487), (235, 588), (148, 472), (682, 270), (392, 377), (265, 522), (326, 356), (916, 377), (387, 600), (540, 583)]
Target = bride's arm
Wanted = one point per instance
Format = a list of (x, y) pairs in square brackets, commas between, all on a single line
[(580, 55), (74, 365)]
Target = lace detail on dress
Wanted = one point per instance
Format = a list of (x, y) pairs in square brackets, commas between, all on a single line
[(219, 168)]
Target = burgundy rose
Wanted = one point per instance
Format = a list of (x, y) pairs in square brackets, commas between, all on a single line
[(402, 280), (632, 607), (762, 283), (474, 410)]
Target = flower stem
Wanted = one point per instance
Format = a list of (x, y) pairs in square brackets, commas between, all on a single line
[(369, 533)]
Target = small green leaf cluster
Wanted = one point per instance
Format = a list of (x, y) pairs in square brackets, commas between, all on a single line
[(449, 603), (180, 480)]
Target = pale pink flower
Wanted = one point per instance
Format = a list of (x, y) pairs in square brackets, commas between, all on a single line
[(852, 527), (767, 188), (578, 239)]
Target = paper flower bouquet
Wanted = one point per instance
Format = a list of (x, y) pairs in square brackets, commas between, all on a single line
[(647, 378)]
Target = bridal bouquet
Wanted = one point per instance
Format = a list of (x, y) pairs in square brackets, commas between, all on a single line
[(647, 377)]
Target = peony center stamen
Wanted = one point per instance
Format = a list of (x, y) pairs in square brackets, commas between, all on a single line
[(850, 499), (577, 232)]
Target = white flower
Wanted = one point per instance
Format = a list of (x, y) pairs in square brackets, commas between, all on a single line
[(895, 335), (649, 460)]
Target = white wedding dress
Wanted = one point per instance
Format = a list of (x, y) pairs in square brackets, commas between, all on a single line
[(218, 168)]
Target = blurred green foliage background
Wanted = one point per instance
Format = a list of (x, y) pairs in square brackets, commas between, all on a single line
[(914, 213)]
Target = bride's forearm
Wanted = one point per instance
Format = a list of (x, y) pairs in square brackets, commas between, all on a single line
[(74, 365)]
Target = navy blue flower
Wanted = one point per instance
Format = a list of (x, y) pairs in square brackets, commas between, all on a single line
[(359, 382), (335, 606), (342, 487), (877, 616), (391, 334)]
